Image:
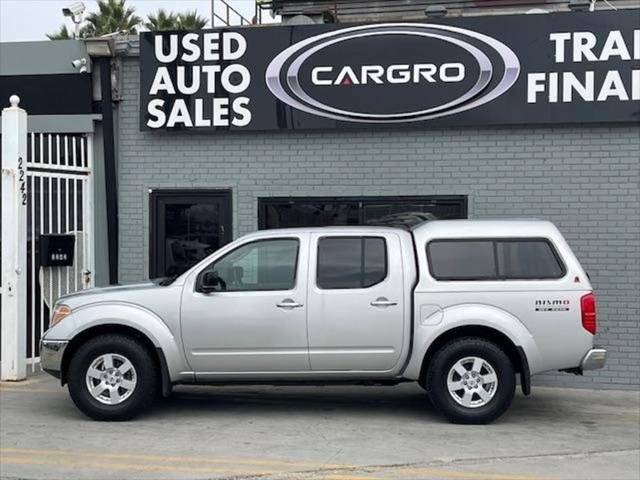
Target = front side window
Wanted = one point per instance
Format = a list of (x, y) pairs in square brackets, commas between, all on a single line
[(499, 259), (351, 262), (257, 266)]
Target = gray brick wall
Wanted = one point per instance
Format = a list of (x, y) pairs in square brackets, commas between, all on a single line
[(583, 178)]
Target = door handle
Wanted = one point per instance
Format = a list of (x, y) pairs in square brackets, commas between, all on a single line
[(383, 302), (288, 303)]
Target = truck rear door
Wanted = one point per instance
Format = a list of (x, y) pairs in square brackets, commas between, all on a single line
[(355, 302)]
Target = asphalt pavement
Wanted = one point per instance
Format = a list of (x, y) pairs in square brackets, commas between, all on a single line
[(339, 433)]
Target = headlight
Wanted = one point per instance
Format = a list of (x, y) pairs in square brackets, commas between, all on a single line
[(59, 313)]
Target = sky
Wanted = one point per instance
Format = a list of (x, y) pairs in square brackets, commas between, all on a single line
[(30, 20)]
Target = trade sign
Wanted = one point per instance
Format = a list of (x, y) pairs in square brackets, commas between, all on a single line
[(500, 70)]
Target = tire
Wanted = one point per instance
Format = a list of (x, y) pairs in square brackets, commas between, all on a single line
[(122, 391), (478, 399)]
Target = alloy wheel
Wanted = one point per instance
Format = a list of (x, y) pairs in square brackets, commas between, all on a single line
[(111, 378), (472, 382)]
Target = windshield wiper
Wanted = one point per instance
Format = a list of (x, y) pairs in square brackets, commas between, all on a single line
[(167, 280)]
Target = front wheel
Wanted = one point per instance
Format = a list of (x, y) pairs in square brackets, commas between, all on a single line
[(471, 380), (112, 377)]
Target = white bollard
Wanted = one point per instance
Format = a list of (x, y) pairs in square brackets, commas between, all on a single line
[(14, 242)]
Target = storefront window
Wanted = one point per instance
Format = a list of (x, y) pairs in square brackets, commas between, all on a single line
[(403, 212), (310, 214)]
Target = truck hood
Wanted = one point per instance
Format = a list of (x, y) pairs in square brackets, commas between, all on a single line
[(126, 293)]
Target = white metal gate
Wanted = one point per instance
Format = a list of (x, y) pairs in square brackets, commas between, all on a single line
[(60, 201)]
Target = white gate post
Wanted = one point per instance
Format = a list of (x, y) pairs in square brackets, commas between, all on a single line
[(14, 242)]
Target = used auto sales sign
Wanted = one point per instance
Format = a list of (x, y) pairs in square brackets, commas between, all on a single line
[(525, 69)]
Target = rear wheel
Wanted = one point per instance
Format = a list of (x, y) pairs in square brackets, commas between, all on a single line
[(471, 380), (112, 377)]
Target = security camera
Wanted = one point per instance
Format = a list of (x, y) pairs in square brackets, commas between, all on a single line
[(74, 9), (80, 64)]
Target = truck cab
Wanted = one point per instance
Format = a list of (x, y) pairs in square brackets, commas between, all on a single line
[(461, 307), (322, 303)]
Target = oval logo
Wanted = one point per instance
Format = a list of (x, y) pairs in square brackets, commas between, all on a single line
[(391, 73)]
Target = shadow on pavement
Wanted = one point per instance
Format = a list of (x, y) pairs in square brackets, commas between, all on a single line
[(369, 401)]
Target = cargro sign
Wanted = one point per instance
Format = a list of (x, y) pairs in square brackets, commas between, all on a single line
[(525, 69)]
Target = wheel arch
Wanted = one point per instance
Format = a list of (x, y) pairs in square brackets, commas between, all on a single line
[(156, 352), (516, 353)]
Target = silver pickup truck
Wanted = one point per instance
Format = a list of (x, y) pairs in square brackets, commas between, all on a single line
[(460, 307)]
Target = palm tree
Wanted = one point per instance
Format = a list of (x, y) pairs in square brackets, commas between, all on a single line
[(112, 16), (191, 21), (161, 20), (62, 34)]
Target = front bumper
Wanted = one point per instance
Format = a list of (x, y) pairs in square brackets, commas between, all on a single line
[(51, 352), (594, 359)]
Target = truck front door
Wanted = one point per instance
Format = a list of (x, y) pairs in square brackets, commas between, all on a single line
[(246, 311), (356, 302)]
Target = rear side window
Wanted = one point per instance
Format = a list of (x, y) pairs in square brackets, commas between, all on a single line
[(528, 259), (462, 260), (351, 262), (500, 259)]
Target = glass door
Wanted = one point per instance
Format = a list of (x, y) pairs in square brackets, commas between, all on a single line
[(186, 226)]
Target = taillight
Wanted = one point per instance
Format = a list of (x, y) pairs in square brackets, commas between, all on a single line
[(588, 308)]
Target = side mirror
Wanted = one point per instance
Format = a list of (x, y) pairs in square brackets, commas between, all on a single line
[(211, 282)]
